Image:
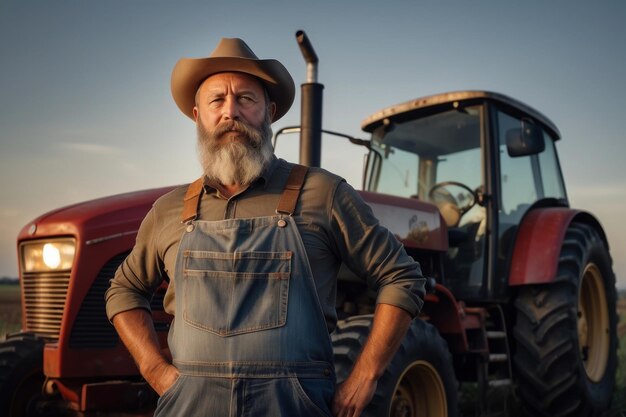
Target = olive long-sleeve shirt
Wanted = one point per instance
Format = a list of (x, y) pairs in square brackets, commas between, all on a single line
[(335, 224)]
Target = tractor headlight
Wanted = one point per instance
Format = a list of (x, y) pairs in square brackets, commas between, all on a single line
[(56, 255)]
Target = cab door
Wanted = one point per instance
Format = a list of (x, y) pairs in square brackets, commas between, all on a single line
[(529, 176)]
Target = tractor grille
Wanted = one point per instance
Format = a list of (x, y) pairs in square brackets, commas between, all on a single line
[(92, 328), (44, 301)]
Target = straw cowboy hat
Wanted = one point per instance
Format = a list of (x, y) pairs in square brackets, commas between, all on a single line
[(232, 54)]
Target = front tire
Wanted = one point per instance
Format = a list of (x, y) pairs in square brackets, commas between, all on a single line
[(419, 381), (21, 375), (566, 355)]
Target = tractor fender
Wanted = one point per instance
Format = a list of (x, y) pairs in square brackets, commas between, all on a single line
[(539, 241)]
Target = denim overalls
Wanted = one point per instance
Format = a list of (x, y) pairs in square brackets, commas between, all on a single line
[(249, 337)]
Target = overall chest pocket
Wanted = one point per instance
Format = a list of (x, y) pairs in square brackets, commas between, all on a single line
[(234, 293)]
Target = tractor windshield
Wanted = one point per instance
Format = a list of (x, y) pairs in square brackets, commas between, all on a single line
[(434, 158), (438, 158)]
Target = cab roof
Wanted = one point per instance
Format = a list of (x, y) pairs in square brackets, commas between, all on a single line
[(413, 108)]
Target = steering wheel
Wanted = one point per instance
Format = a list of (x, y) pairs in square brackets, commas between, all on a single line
[(439, 194)]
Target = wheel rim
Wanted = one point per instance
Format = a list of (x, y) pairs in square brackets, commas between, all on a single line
[(593, 323), (419, 393)]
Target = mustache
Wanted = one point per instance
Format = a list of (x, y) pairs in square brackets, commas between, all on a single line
[(254, 135)]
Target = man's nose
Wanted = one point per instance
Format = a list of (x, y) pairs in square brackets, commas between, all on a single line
[(230, 110)]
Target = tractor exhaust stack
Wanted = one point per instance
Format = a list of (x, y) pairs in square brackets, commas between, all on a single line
[(311, 106)]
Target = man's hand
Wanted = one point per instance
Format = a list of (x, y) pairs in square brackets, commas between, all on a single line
[(352, 396), (388, 329), (162, 377), (136, 330)]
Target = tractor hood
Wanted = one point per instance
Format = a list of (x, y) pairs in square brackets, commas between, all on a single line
[(95, 220), (415, 223), (120, 215)]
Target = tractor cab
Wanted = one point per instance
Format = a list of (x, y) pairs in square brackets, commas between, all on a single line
[(484, 160)]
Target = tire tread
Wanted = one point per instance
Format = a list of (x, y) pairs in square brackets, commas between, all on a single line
[(551, 380)]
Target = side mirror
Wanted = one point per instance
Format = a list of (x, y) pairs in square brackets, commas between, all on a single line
[(524, 141)]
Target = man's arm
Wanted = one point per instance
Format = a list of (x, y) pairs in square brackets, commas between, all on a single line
[(388, 330), (136, 330)]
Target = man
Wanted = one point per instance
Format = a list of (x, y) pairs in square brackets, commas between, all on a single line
[(251, 252)]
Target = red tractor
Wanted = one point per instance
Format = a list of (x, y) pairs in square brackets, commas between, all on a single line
[(521, 301), (525, 292)]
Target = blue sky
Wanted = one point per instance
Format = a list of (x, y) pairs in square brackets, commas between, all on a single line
[(85, 108)]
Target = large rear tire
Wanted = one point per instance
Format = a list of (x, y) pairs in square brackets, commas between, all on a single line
[(419, 381), (566, 341), (21, 375)]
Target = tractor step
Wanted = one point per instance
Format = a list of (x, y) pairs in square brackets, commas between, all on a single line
[(498, 357), (497, 383), (494, 370)]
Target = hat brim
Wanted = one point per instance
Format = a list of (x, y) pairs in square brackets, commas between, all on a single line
[(189, 73)]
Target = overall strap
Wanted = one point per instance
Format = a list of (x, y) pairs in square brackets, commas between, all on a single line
[(192, 200), (286, 205), (291, 193)]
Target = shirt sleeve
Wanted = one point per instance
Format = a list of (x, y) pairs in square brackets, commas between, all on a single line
[(371, 251), (139, 275)]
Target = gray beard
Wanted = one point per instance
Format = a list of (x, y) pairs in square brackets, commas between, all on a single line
[(235, 162)]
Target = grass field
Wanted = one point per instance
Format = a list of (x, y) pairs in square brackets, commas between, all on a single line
[(10, 316), (10, 312)]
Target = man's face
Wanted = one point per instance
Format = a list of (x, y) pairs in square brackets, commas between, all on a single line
[(234, 128), (231, 96)]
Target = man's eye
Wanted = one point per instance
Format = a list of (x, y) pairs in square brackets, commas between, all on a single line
[(246, 99)]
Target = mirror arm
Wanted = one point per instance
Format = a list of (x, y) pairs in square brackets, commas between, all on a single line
[(295, 129)]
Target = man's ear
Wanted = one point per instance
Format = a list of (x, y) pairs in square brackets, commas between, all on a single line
[(195, 113), (272, 110)]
